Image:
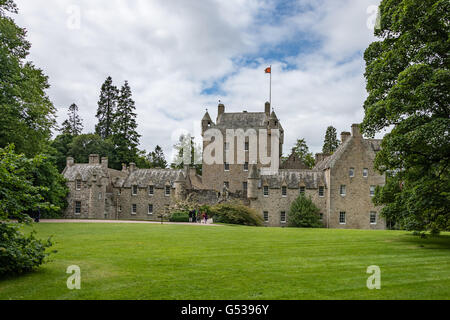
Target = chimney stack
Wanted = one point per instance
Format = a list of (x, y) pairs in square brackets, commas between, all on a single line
[(267, 108), (356, 131), (132, 167), (221, 110), (320, 157), (345, 136), (70, 162), (94, 159), (105, 163)]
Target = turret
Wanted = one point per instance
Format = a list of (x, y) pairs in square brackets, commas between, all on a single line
[(273, 120), (206, 122), (180, 186), (220, 110), (267, 109), (253, 178)]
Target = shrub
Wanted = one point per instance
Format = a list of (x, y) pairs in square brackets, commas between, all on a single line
[(235, 213), (20, 253), (304, 214), (179, 217)]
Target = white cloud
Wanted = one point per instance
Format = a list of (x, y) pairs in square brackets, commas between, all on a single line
[(170, 51)]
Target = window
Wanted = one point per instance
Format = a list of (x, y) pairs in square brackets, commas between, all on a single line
[(133, 208), (134, 190), (365, 172), (351, 172), (321, 191), (227, 166), (245, 187), (266, 191), (343, 190), (167, 191), (226, 184), (120, 208), (373, 218), (78, 184), (77, 207), (302, 190), (246, 166), (342, 218), (372, 191), (266, 216), (284, 191), (321, 216), (119, 192), (150, 209), (247, 146), (100, 196), (151, 190), (283, 217)]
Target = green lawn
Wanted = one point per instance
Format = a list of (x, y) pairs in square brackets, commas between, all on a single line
[(143, 261)]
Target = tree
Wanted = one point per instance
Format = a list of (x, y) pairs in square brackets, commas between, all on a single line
[(302, 151), (304, 214), (59, 150), (157, 159), (18, 197), (125, 136), (73, 125), (408, 81), (28, 115), (187, 153), (107, 105), (87, 144), (331, 141)]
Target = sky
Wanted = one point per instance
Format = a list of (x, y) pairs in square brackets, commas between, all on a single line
[(181, 57)]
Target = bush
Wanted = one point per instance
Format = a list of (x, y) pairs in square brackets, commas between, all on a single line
[(20, 253), (235, 213), (179, 217), (304, 214)]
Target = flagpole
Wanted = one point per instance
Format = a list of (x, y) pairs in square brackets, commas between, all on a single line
[(270, 98)]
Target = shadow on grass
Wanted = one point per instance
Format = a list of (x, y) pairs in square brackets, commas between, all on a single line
[(441, 242)]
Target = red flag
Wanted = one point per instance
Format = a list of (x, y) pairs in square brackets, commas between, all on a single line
[(269, 70)]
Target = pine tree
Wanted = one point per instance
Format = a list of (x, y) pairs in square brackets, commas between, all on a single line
[(302, 151), (157, 159), (125, 136), (107, 106), (331, 141), (73, 125)]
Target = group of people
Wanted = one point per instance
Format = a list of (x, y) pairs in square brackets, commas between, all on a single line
[(195, 216)]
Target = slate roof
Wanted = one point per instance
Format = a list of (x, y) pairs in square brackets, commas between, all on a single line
[(242, 120), (85, 171), (373, 145), (295, 178), (156, 177)]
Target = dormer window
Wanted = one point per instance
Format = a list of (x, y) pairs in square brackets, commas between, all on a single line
[(302, 190), (266, 191), (151, 190), (134, 190), (167, 191), (78, 184), (284, 191)]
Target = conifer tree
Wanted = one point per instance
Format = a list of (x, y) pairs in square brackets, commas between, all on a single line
[(157, 159), (125, 136), (107, 106), (331, 141), (73, 125)]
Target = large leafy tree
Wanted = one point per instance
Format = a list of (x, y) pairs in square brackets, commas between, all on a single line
[(87, 144), (74, 124), (125, 135), (27, 114), (331, 142), (157, 159), (302, 151), (187, 153), (107, 105), (408, 81)]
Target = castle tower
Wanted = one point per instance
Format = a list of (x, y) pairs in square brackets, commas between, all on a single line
[(180, 186), (253, 178)]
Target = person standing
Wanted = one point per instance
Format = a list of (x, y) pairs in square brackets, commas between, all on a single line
[(206, 218), (190, 216)]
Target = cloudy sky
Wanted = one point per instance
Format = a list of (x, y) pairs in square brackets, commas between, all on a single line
[(183, 56)]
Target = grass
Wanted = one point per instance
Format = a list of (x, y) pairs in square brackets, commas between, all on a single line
[(143, 261)]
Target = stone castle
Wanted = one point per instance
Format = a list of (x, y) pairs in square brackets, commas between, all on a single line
[(341, 185)]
